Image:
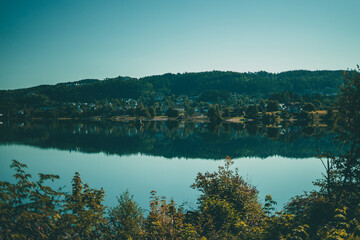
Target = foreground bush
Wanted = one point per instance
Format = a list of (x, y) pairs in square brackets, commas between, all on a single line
[(228, 208)]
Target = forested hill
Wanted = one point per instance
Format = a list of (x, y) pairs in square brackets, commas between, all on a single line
[(300, 82)]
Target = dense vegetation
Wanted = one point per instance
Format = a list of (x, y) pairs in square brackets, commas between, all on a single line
[(227, 208), (190, 84), (215, 95)]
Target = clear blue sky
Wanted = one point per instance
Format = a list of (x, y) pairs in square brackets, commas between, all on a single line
[(51, 41)]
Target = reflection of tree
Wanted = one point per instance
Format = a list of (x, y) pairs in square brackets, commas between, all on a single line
[(252, 128), (189, 129), (309, 130), (168, 139), (172, 124), (273, 133), (227, 128), (214, 128)]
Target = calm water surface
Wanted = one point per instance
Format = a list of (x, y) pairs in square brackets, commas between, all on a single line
[(281, 177)]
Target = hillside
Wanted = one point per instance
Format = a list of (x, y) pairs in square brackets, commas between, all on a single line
[(252, 84)]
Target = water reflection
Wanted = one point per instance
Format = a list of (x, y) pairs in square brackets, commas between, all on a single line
[(172, 139), (281, 177)]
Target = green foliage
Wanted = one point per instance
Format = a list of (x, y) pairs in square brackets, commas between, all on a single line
[(286, 96), (214, 114), (172, 113), (190, 111), (126, 219), (33, 210), (312, 209), (29, 210), (337, 230), (273, 133), (269, 205), (228, 206), (272, 105), (344, 189), (332, 212), (145, 113), (309, 107), (152, 112), (215, 96), (348, 104), (219, 84), (35, 99), (198, 141), (226, 113), (330, 118), (83, 215), (165, 220)]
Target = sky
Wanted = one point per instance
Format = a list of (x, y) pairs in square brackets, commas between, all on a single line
[(52, 41)]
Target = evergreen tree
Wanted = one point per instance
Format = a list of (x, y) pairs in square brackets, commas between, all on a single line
[(126, 218)]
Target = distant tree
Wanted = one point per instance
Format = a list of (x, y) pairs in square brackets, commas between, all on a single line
[(170, 101), (158, 111), (273, 105), (317, 103), (190, 111), (152, 112), (51, 114), (131, 111), (309, 107), (36, 99), (171, 112), (215, 96), (145, 113), (226, 113), (262, 105), (139, 109), (214, 114)]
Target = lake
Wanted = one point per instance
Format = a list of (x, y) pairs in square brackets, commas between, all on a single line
[(166, 156)]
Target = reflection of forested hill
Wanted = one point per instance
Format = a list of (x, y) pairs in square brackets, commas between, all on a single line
[(299, 82), (171, 139)]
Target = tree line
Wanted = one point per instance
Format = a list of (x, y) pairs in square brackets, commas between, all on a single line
[(148, 97), (190, 84)]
